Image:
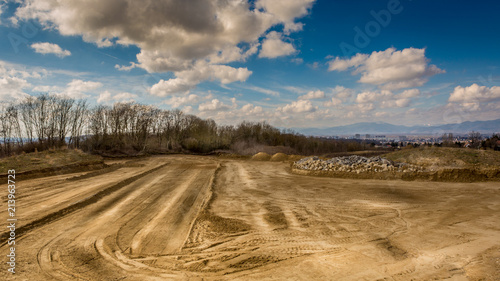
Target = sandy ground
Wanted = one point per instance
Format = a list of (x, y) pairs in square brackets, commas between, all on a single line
[(201, 218)]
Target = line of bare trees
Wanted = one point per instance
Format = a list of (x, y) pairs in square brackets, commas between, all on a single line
[(44, 121), (41, 122)]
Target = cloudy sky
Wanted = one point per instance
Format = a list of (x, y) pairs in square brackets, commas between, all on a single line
[(294, 63)]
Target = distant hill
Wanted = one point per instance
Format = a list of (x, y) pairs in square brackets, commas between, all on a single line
[(484, 127)]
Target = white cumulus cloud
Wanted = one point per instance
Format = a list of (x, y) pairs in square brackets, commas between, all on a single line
[(12, 88), (368, 97), (233, 53), (474, 93), (475, 97), (386, 99), (251, 109), (343, 93), (411, 93), (333, 102), (395, 103), (299, 106), (389, 69), (274, 46), (216, 105), (174, 36), (318, 94), (50, 48), (14, 83), (126, 68), (287, 10), (339, 64), (46, 89), (183, 100), (188, 79), (78, 89), (106, 97), (1, 11)]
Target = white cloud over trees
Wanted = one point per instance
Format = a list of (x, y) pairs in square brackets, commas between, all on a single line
[(299, 106)]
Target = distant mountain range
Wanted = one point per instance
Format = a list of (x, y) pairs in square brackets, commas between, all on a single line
[(377, 128)]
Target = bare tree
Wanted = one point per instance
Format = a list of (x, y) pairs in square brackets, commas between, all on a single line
[(26, 111), (77, 122), (98, 126), (46, 121), (448, 139), (5, 132), (475, 139), (63, 117), (41, 120), (13, 113)]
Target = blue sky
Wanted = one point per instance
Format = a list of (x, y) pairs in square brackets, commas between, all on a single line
[(293, 63)]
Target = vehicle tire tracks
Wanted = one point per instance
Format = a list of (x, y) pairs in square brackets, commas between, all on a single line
[(75, 206)]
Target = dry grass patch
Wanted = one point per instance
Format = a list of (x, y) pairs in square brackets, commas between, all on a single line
[(445, 157), (48, 159)]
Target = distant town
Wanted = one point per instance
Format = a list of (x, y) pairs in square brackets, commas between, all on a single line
[(472, 139)]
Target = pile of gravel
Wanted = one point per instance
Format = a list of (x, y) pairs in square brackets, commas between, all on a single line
[(353, 164)]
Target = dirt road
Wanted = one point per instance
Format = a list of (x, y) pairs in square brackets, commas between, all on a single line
[(201, 218)]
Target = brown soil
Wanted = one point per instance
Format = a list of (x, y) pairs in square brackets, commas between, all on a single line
[(293, 158), (445, 157), (261, 156), (202, 218), (61, 170), (50, 163), (443, 175), (279, 157)]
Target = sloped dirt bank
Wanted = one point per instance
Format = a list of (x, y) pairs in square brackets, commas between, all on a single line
[(445, 175)]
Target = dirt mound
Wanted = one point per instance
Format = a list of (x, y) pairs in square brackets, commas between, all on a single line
[(359, 167), (279, 157), (50, 162), (261, 156), (295, 157), (445, 157)]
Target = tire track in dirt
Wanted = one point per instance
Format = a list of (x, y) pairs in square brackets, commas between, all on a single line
[(171, 219), (318, 229), (76, 206), (269, 241), (98, 223), (160, 211)]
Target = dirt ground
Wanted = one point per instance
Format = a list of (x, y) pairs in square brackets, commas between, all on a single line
[(203, 218)]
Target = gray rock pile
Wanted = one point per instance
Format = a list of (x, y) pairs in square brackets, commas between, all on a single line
[(354, 164)]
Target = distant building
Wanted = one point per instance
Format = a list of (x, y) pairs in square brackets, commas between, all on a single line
[(357, 136), (403, 138), (367, 136)]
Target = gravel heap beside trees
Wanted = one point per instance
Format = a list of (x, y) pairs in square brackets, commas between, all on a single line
[(354, 164)]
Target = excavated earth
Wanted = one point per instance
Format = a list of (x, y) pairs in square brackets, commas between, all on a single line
[(205, 218), (359, 167)]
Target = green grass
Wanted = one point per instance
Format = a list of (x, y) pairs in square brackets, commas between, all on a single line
[(47, 159), (446, 157)]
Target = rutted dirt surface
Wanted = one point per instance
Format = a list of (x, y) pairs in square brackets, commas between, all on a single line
[(202, 218)]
